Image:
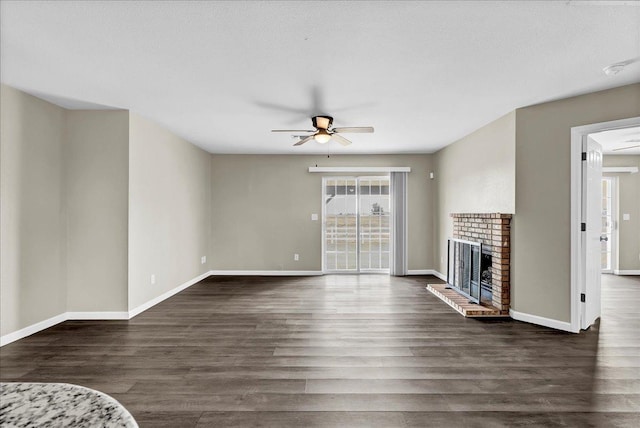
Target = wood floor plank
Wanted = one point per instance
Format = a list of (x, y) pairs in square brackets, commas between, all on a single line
[(302, 419), (344, 350), (504, 419)]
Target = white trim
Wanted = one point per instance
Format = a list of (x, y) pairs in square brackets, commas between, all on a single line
[(98, 315), (266, 272), (427, 272), (32, 329), (440, 275), (420, 272), (143, 307), (107, 315), (621, 169), (626, 272), (546, 322), (577, 134), (65, 316), (359, 169)]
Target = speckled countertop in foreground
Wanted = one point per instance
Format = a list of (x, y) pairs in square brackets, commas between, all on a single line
[(60, 405)]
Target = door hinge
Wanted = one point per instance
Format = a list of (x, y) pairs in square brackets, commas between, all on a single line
[(583, 227), (583, 298), (584, 156)]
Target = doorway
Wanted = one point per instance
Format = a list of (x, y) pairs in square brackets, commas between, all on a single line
[(609, 224), (356, 220), (586, 221)]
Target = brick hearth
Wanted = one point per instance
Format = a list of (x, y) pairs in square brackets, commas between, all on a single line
[(493, 230)]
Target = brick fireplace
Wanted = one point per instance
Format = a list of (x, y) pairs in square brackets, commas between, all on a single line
[(493, 231)]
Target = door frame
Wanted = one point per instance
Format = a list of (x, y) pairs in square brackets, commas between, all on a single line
[(578, 267), (357, 271)]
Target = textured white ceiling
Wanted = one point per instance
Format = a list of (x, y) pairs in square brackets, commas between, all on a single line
[(617, 139), (223, 74)]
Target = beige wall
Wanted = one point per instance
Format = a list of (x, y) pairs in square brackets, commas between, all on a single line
[(72, 219), (628, 245), (474, 175), (541, 227), (262, 206), (32, 283), (96, 151), (169, 190)]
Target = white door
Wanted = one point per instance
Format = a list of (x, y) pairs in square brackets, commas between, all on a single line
[(592, 216)]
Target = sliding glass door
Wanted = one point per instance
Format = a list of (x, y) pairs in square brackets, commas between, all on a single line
[(374, 214), (340, 220), (356, 224)]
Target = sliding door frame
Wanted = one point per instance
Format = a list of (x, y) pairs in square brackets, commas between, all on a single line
[(357, 270)]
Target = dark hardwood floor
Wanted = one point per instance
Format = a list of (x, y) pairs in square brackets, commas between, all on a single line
[(344, 351)]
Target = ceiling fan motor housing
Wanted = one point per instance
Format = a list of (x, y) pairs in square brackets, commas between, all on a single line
[(322, 122)]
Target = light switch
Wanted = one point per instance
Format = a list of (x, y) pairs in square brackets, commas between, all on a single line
[(626, 217), (314, 217)]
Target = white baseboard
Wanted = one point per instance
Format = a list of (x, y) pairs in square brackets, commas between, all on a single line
[(50, 322), (266, 272), (164, 296), (32, 329), (626, 272), (538, 320), (427, 272), (98, 315), (106, 315), (440, 275), (420, 272)]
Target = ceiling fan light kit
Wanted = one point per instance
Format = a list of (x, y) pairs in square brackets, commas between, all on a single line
[(322, 136), (324, 133)]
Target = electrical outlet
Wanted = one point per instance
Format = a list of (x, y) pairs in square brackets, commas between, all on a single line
[(153, 279), (203, 259), (296, 257), (314, 217)]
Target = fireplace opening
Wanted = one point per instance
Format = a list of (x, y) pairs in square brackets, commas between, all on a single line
[(486, 294), (469, 270)]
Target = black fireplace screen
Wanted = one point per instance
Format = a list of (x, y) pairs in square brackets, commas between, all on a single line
[(464, 268)]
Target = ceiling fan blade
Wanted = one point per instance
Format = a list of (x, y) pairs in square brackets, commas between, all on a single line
[(625, 148), (340, 139), (292, 130), (304, 140), (354, 129)]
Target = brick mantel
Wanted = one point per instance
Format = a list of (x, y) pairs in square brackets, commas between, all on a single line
[(492, 230)]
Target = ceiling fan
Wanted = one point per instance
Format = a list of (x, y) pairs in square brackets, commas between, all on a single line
[(324, 132), (634, 140)]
